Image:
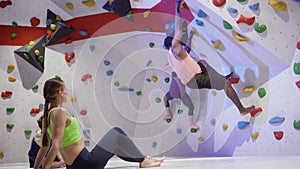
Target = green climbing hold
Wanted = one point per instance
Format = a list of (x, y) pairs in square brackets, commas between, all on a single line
[(296, 124), (297, 68), (27, 132), (193, 130), (259, 28), (26, 56), (14, 24), (138, 93), (157, 100), (41, 58), (179, 111), (167, 79), (9, 126), (117, 84), (35, 87), (148, 29), (57, 77), (10, 109), (13, 36), (151, 44), (261, 92), (241, 0), (28, 47), (226, 25), (168, 120)]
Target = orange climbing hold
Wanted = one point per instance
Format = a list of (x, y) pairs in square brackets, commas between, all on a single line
[(85, 77), (255, 112), (83, 112), (219, 3), (233, 80), (6, 94), (247, 20), (68, 58)]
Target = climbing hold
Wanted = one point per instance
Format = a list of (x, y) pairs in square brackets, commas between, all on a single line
[(168, 120), (296, 124), (241, 0), (259, 28), (126, 89), (154, 79), (85, 77), (298, 84), (34, 21), (278, 134), (117, 84), (278, 5), (83, 112), (49, 34), (73, 99), (148, 63), (148, 80), (200, 139), (248, 89), (12, 79), (146, 13), (10, 110), (11, 67), (298, 45), (225, 127), (254, 135), (41, 58), (82, 32), (70, 6), (4, 4), (167, 79), (1, 153), (276, 120), (9, 125), (14, 24), (247, 20), (6, 94), (261, 92), (198, 22), (233, 80), (68, 58), (226, 25), (255, 112), (28, 47), (178, 131), (148, 29), (57, 77), (52, 27), (49, 22), (193, 130), (109, 73), (138, 93), (106, 62), (297, 68), (89, 3), (61, 24), (31, 43), (34, 111), (92, 48), (254, 6), (214, 93), (157, 100), (58, 18), (154, 144), (151, 44), (37, 52), (243, 124), (87, 133), (213, 121), (13, 36), (239, 37), (201, 14), (219, 3), (87, 142), (232, 10), (179, 111), (41, 106), (217, 44), (27, 132)]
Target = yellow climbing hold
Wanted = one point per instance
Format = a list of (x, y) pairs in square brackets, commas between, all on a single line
[(154, 79), (31, 43), (278, 5), (110, 1), (73, 99), (239, 37), (225, 127), (37, 52), (248, 89), (12, 79), (53, 27), (167, 26), (70, 6), (58, 18), (1, 154), (146, 13), (200, 139), (89, 3), (11, 67), (214, 93), (217, 44), (254, 135)]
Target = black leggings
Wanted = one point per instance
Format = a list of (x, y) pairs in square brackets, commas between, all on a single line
[(114, 142)]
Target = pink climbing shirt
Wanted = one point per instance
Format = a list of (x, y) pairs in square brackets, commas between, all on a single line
[(185, 68)]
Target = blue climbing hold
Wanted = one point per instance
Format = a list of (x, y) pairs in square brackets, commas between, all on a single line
[(106, 62), (82, 33), (243, 124), (198, 22), (126, 89), (254, 6), (92, 48), (41, 106), (213, 122), (148, 79), (178, 131), (232, 10), (154, 144), (109, 73), (276, 119), (149, 63), (61, 24), (49, 22), (201, 14)]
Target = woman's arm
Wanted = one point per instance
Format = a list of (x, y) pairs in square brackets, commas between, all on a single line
[(59, 121), (188, 45), (39, 157), (60, 163)]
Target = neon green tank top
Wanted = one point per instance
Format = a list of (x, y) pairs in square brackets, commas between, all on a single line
[(71, 132)]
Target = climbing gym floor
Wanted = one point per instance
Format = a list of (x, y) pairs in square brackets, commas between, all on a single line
[(268, 162)]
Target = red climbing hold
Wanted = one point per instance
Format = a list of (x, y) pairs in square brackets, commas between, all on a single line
[(246, 20), (255, 111), (68, 58), (298, 84), (85, 77), (83, 112), (4, 4), (6, 94), (68, 41), (234, 80), (219, 3), (298, 45), (34, 111), (278, 135), (49, 34), (34, 21)]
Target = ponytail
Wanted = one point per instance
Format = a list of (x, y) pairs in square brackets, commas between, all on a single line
[(45, 141)]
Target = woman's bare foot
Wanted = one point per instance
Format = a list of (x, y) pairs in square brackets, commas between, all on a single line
[(151, 162), (247, 110)]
